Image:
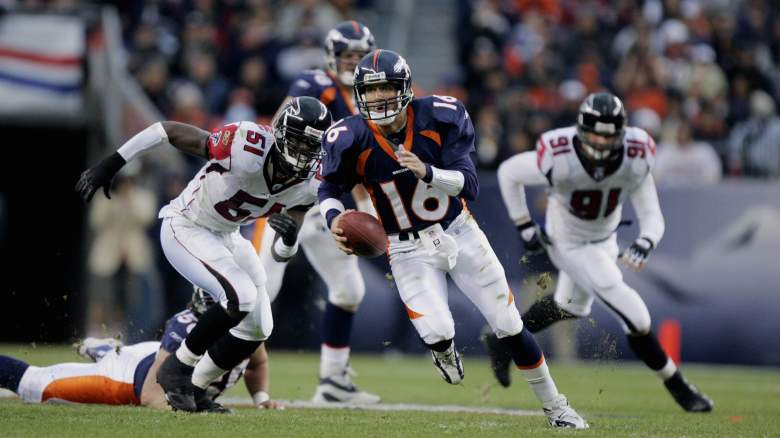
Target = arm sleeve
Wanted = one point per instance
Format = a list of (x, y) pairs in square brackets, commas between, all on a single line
[(513, 174), (457, 145), (648, 210)]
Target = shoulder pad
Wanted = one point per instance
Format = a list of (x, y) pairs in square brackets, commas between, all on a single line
[(641, 149), (251, 147), (310, 83), (444, 109), (552, 150)]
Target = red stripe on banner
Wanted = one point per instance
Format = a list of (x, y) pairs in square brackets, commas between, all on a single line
[(62, 61)]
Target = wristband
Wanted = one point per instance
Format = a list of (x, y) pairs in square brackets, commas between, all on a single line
[(282, 250), (260, 397)]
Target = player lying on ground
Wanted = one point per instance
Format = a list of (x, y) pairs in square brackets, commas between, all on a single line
[(124, 375), (591, 168), (253, 171), (413, 157), (345, 45)]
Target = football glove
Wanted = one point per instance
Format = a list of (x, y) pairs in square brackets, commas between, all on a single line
[(101, 175), (285, 227), (533, 237), (636, 255)]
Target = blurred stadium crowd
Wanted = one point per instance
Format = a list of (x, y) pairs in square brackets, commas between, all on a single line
[(699, 75)]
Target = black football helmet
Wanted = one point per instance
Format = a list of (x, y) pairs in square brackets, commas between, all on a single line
[(347, 35), (602, 114), (298, 130), (380, 67), (201, 301)]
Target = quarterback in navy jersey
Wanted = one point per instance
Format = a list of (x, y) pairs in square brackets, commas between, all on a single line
[(345, 45), (412, 155)]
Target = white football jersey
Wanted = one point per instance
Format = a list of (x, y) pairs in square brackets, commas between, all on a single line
[(582, 207), (234, 188)]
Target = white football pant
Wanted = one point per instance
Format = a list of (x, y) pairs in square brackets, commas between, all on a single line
[(340, 271), (226, 266), (422, 283), (108, 381), (590, 269)]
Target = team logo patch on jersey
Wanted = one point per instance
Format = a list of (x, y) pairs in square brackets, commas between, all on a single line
[(227, 137)]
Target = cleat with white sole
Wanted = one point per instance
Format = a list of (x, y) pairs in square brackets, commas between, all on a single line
[(448, 364), (339, 388), (560, 414)]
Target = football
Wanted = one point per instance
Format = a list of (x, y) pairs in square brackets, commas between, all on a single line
[(364, 233)]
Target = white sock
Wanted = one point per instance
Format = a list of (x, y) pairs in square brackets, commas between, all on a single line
[(206, 371), (333, 360), (186, 356), (541, 382), (668, 370)]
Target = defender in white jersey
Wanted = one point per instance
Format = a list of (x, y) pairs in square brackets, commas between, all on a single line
[(253, 171), (345, 45), (591, 169)]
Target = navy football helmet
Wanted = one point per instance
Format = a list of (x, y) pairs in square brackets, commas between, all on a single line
[(383, 67), (604, 115), (348, 35), (200, 302), (298, 130)]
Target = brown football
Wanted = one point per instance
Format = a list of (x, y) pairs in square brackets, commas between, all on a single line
[(364, 233)]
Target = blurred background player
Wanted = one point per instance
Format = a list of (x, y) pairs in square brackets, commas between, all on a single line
[(345, 45), (413, 157), (124, 374), (591, 168), (253, 171)]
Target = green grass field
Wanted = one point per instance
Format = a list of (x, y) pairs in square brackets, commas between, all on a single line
[(618, 399)]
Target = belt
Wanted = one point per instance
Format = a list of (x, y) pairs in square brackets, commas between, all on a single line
[(408, 235)]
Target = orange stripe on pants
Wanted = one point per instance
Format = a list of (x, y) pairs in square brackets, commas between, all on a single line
[(257, 236), (91, 389)]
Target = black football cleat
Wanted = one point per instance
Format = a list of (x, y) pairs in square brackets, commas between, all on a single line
[(176, 380), (500, 359), (204, 403), (687, 395)]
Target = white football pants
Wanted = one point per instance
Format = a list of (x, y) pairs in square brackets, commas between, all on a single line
[(422, 283), (226, 266), (108, 381), (590, 269), (340, 271)]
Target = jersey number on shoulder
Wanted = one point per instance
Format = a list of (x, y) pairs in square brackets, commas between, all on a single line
[(448, 102), (586, 204), (231, 209), (428, 203)]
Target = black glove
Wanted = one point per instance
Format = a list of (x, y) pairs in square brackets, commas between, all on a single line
[(98, 176), (636, 255), (285, 227), (532, 237)]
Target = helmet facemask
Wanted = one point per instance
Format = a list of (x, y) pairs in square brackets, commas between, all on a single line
[(299, 149), (382, 111), (345, 39), (600, 130), (342, 64)]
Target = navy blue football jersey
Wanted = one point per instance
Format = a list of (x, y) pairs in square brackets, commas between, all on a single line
[(323, 86), (176, 329), (438, 130)]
